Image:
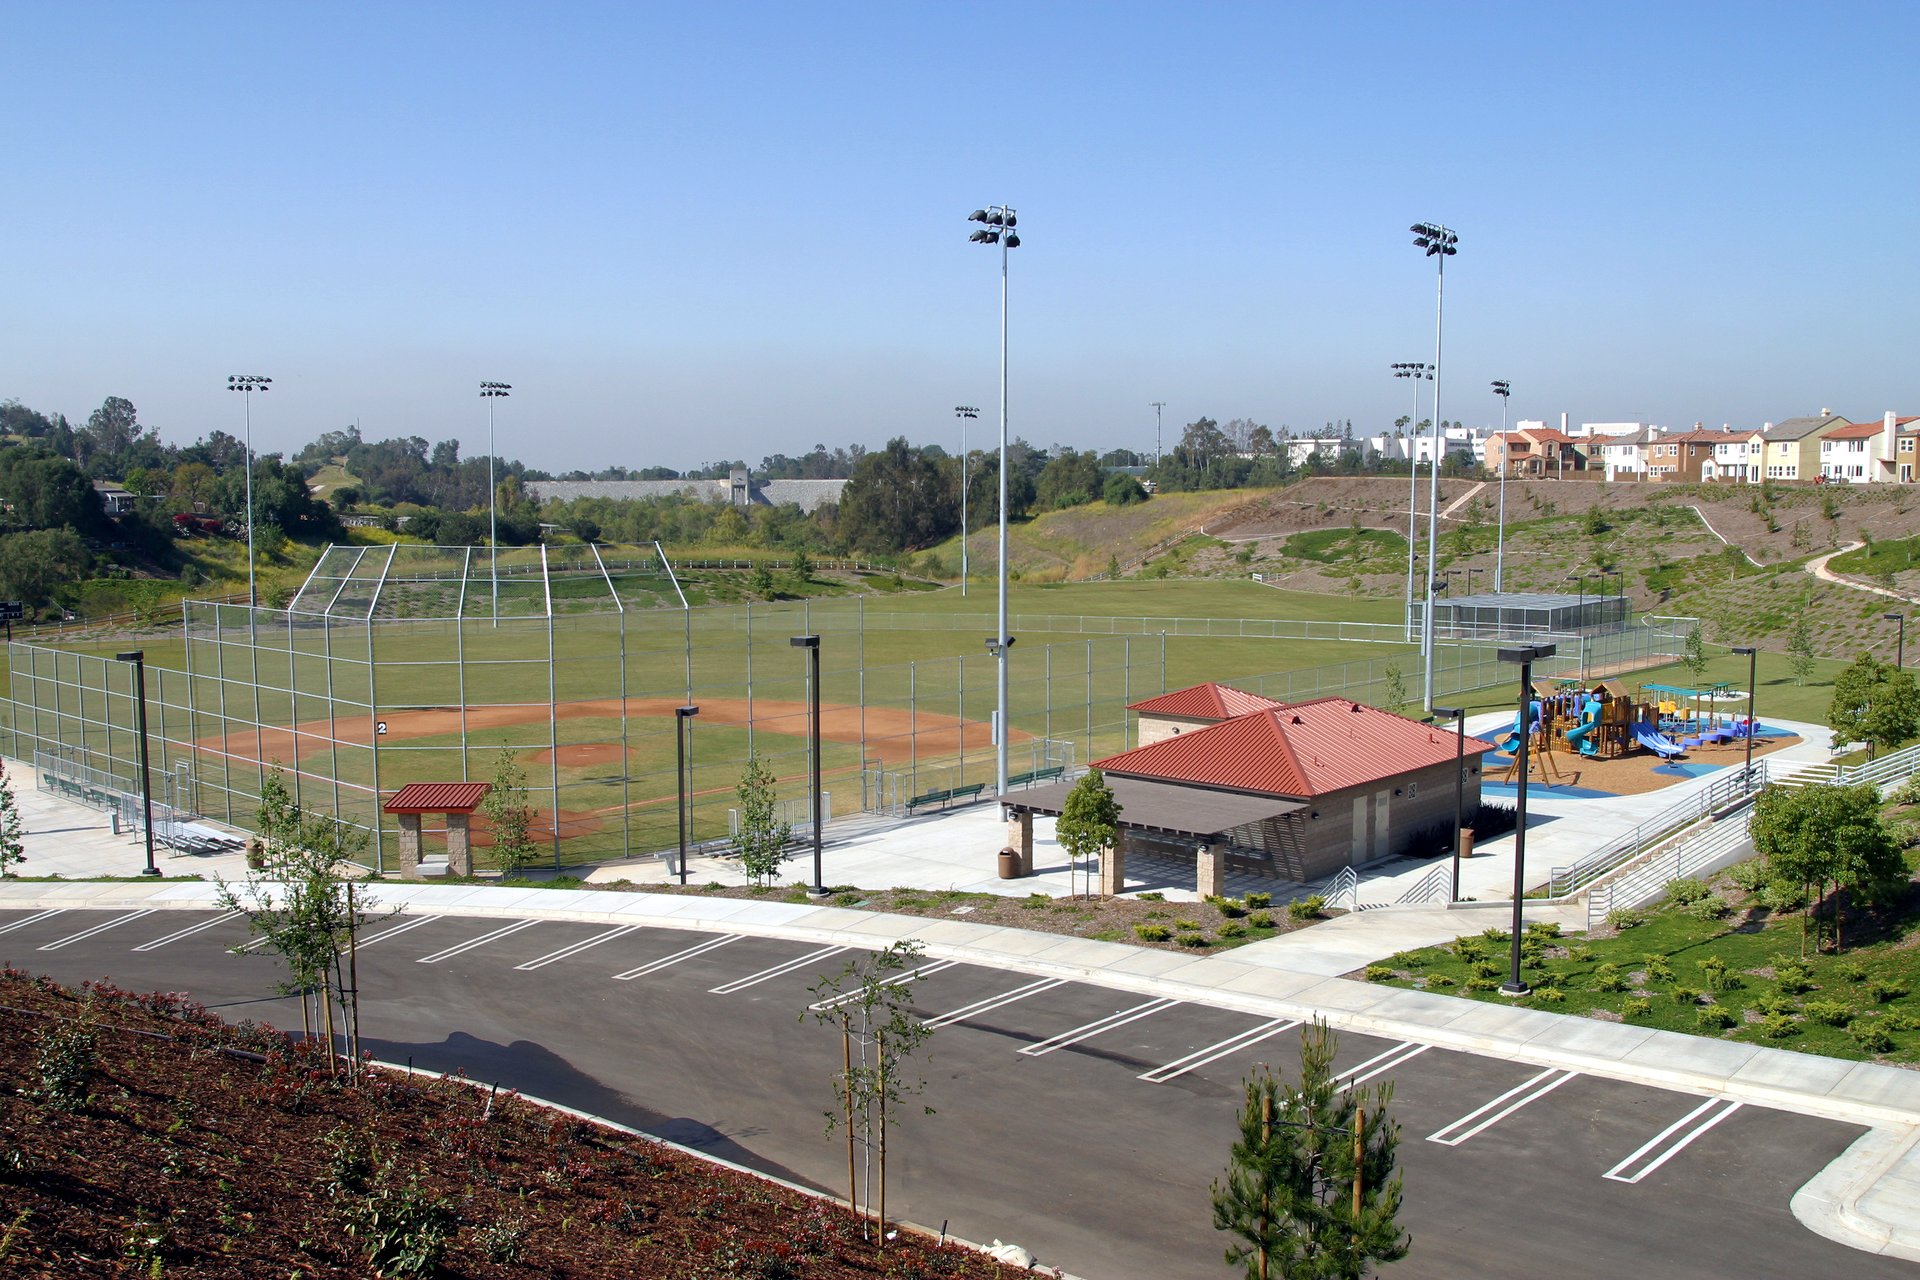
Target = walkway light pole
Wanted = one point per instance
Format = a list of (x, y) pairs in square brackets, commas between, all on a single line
[(1900, 652), (1503, 389), (246, 385), (811, 644), (682, 730), (963, 412), (1459, 716), (138, 657), (1439, 242), (1417, 372), (489, 391), (1526, 656), (997, 224), (1752, 653)]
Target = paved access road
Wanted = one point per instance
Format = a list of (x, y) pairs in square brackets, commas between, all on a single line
[(1081, 1122)]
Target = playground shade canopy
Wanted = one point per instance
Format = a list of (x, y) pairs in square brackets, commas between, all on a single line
[(1163, 806)]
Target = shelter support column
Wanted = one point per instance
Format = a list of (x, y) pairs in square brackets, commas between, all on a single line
[(1113, 865), (409, 845), (1210, 870), (1020, 837), (459, 845)]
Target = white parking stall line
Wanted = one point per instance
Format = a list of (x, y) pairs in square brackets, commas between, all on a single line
[(481, 941), (578, 947), (1538, 1087), (35, 918), (767, 975), (187, 932), (990, 1003), (384, 934), (99, 928), (1379, 1063), (910, 975), (1214, 1052), (1108, 1023), (698, 949), (1721, 1109)]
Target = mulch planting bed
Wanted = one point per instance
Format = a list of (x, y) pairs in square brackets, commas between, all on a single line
[(1189, 926), (143, 1136)]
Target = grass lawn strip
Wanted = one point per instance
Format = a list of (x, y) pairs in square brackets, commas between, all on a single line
[(1711, 960), (179, 1145)]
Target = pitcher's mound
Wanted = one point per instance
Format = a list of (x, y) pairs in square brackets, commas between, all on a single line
[(576, 755)]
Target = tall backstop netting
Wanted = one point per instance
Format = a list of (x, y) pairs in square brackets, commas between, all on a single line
[(398, 664)]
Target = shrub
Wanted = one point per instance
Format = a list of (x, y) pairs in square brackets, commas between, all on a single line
[(1620, 918), (68, 1063), (505, 1241), (1551, 994), (1232, 929), (1719, 976), (1187, 926), (1871, 1036), (1715, 1019), (1884, 992), (1379, 973), (1306, 908), (1852, 972), (1496, 937), (1831, 1012), (1783, 897), (1260, 920), (1711, 907), (1792, 977), (1486, 969), (1152, 932), (1685, 995), (1410, 959), (1469, 949), (1749, 876), (1685, 889), (1161, 897), (1775, 1002), (1607, 976), (1658, 970), (1636, 1008), (1895, 1020), (1256, 901), (1583, 955), (1777, 1026), (403, 1231), (1230, 909), (1482, 984), (1544, 929), (1195, 940), (1439, 979)]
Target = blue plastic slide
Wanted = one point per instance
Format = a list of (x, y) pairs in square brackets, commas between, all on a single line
[(1576, 737), (1657, 742)]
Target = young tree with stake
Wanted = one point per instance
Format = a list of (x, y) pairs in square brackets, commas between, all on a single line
[(13, 850), (509, 816), (763, 838), (1090, 820), (1310, 1189)]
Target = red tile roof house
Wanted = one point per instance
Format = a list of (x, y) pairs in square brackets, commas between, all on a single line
[(1294, 792)]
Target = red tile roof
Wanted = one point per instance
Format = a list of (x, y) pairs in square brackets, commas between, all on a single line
[(1306, 749), (1857, 431), (1206, 702), (437, 797)]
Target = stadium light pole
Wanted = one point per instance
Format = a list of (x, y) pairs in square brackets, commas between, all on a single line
[(246, 385), (682, 729), (1525, 656), (489, 391), (1752, 654), (1439, 243), (963, 412), (1503, 389), (997, 224), (1417, 372), (1158, 405), (138, 657), (811, 644), (1900, 651), (1459, 716)]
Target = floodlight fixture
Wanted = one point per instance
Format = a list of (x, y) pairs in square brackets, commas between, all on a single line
[(997, 226)]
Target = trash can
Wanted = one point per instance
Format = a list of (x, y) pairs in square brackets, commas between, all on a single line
[(1009, 864), (1466, 842)]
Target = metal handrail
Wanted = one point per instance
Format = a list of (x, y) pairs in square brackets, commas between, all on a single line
[(1646, 883), (1734, 786), (1435, 886)]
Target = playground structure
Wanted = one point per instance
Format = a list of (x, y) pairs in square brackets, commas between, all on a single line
[(1602, 721)]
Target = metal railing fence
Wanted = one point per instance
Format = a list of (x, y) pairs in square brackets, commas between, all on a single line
[(1732, 787)]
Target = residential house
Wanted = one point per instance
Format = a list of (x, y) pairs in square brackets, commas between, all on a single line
[(1621, 457), (1852, 454), (1906, 451), (1737, 455), (1540, 453), (114, 498), (1791, 449), (1684, 455)]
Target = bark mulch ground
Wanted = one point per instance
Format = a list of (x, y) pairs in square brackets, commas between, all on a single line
[(143, 1136), (1188, 926)]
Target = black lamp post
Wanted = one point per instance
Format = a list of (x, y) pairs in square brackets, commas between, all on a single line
[(1752, 653), (138, 657), (1900, 652), (682, 728), (1525, 656), (246, 385), (1459, 715), (811, 644)]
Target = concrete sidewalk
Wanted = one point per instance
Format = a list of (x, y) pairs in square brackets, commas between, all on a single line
[(1869, 1198)]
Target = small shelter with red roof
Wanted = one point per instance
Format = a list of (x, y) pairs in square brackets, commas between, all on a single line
[(1293, 791), (457, 800), (1184, 710)]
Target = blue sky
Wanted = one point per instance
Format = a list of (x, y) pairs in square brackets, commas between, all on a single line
[(697, 232)]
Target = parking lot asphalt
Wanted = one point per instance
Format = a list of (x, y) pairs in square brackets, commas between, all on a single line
[(1081, 1122)]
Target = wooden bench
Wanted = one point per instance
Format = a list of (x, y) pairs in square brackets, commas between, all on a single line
[(946, 797), (1036, 775)]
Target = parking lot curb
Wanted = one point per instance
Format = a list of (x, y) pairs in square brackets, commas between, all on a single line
[(1868, 1198)]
